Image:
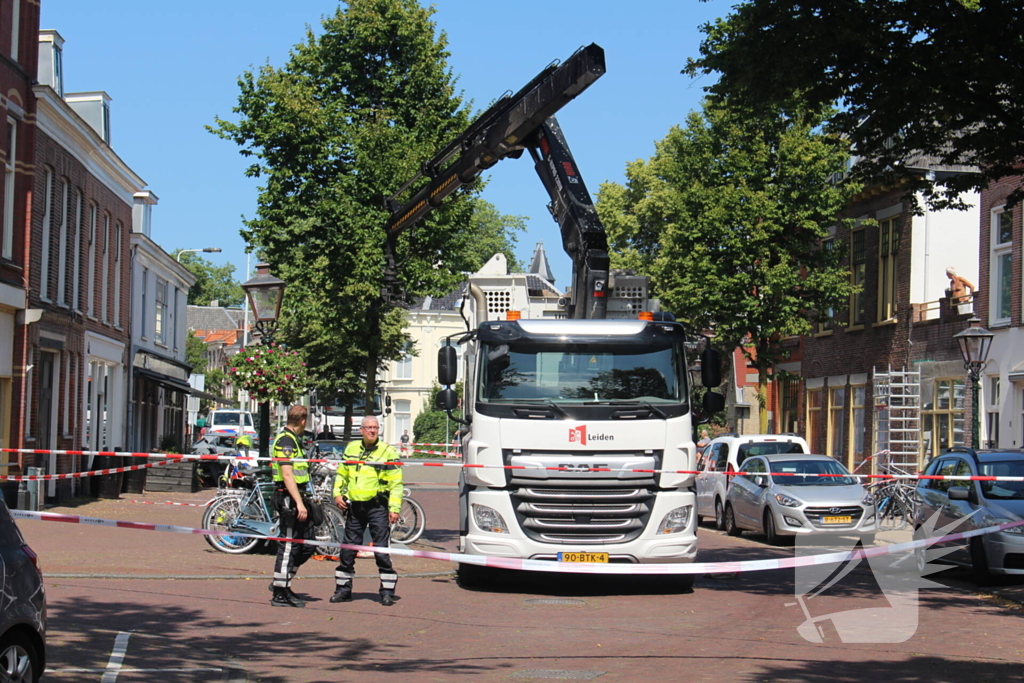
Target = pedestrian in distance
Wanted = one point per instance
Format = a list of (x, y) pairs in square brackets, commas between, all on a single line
[(405, 442), (371, 494), (290, 478)]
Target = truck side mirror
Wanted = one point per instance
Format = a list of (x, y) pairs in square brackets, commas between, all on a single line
[(447, 400), (447, 366), (387, 400), (713, 403), (710, 368)]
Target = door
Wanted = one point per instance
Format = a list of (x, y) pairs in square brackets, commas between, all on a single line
[(47, 403), (955, 512), (746, 495)]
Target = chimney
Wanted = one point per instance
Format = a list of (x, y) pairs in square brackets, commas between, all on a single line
[(94, 108), (51, 61), (142, 212)]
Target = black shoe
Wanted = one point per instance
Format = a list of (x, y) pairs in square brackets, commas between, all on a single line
[(284, 598), (341, 595), (387, 600)]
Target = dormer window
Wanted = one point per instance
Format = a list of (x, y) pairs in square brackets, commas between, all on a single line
[(51, 61)]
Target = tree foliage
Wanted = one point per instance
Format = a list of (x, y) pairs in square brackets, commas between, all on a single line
[(728, 217), (433, 425), (353, 114), (493, 233), (195, 352), (912, 78), (213, 283)]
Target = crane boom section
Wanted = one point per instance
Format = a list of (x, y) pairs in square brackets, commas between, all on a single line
[(499, 132)]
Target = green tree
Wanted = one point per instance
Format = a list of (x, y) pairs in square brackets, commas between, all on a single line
[(195, 353), (353, 114), (213, 283), (493, 233), (433, 425), (728, 216), (939, 78)]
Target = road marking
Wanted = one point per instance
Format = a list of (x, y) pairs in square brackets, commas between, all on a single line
[(116, 658), (562, 674)]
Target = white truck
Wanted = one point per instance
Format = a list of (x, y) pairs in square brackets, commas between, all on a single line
[(575, 425)]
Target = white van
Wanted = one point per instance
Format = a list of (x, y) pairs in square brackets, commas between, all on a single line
[(229, 422), (726, 454)]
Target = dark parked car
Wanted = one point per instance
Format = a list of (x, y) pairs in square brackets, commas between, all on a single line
[(22, 606)]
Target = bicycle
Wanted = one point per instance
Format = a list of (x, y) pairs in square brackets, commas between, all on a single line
[(248, 511), (895, 500)]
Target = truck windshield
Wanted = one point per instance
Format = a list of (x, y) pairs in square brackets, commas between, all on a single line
[(574, 373)]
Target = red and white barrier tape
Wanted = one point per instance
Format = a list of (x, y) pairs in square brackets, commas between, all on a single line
[(547, 565), (87, 473), (190, 505), (444, 453), (173, 457), (418, 443)]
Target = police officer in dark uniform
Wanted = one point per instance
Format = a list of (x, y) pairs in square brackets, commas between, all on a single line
[(371, 492), (291, 478)]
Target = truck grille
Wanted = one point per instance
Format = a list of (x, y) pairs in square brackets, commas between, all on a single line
[(595, 515)]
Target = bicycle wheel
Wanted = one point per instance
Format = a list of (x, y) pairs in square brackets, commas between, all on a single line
[(410, 524), (219, 517), (892, 514), (332, 530)]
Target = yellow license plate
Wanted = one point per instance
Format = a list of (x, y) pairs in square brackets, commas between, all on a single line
[(837, 520), (583, 557)]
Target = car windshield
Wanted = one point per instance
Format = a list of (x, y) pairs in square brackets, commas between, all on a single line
[(747, 450), (331, 448), (802, 473), (1002, 490), (231, 419), (582, 372)]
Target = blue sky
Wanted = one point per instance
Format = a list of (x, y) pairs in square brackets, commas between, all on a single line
[(171, 67)]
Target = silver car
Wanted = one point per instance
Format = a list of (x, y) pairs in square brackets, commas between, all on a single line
[(22, 606), (967, 505), (782, 496)]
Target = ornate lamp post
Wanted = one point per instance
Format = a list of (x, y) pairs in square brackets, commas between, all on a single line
[(974, 343), (265, 293)]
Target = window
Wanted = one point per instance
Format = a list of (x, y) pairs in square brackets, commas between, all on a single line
[(859, 398), (105, 254), (992, 413), (15, 30), (77, 253), (174, 321), (888, 248), (159, 327), (815, 419), (9, 179), (953, 467), (789, 388), (858, 274), (62, 244), (403, 418), (117, 274), (90, 286), (944, 417), (58, 70), (44, 255), (836, 423), (66, 389), (403, 367), (828, 246), (1001, 276), (145, 302)]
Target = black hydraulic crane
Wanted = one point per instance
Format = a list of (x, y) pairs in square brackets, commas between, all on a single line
[(518, 122)]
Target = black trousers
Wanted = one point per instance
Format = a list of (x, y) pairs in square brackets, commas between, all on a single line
[(290, 556), (372, 514)]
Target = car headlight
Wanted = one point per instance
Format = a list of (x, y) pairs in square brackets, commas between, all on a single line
[(488, 519), (675, 521), (787, 500), (993, 521), (869, 500)]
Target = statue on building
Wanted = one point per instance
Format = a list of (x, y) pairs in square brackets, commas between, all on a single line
[(958, 286)]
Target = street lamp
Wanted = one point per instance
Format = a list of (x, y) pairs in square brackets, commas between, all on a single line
[(208, 250), (974, 343), (265, 293)]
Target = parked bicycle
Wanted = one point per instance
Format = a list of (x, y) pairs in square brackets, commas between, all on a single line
[(895, 499)]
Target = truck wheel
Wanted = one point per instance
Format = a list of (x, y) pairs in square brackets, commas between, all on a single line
[(730, 522), (475, 576)]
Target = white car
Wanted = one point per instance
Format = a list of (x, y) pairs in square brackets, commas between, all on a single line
[(726, 454)]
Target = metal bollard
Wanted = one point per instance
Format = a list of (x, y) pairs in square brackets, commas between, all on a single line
[(35, 488)]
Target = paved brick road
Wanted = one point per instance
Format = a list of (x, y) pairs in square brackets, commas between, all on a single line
[(534, 627)]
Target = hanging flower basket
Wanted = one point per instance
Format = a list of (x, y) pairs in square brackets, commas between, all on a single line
[(270, 373)]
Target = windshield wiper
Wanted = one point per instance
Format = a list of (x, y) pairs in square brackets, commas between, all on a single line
[(546, 401), (639, 401)]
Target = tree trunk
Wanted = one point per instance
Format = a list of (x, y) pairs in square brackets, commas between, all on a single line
[(347, 430), (762, 395)]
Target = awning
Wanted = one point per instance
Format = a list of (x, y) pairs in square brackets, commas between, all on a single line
[(169, 382), (213, 397)]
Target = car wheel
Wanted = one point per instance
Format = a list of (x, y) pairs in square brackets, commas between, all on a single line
[(770, 532), (730, 522), (719, 516), (979, 563), (19, 661)]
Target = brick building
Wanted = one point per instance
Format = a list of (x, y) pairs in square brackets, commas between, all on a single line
[(75, 340), (19, 24), (999, 305), (901, 322)]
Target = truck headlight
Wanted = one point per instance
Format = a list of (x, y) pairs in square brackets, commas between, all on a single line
[(787, 501), (488, 519), (675, 521)]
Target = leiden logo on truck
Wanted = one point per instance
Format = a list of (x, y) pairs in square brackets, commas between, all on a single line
[(579, 435)]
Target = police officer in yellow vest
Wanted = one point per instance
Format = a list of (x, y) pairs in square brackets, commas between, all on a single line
[(371, 493), (291, 479)]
